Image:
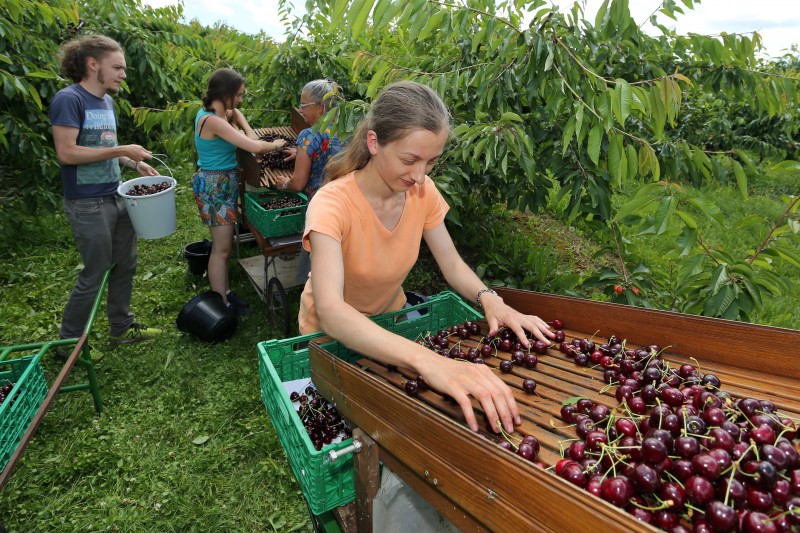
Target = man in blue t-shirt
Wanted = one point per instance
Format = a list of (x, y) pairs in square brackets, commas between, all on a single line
[(84, 127)]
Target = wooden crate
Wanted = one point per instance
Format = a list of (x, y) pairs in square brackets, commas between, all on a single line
[(482, 487)]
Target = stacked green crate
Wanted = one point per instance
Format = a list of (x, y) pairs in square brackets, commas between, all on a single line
[(327, 484)]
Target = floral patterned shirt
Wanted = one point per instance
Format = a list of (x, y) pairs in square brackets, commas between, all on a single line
[(319, 146)]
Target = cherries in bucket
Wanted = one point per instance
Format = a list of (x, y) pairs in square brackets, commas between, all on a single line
[(147, 190)]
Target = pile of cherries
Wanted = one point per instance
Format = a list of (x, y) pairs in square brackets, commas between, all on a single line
[(678, 452), (281, 202), (322, 421), (147, 190), (275, 158), (5, 390)]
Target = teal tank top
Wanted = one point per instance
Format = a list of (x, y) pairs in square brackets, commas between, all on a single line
[(213, 154)]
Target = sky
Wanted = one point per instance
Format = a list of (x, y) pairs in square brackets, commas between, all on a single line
[(778, 21)]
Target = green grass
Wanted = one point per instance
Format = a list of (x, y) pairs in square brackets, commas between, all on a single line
[(137, 466)]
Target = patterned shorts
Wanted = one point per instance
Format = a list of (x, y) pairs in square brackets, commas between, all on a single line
[(216, 193)]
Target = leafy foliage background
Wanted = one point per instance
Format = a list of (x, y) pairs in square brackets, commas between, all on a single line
[(584, 115)]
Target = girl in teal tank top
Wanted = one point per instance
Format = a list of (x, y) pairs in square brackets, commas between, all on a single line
[(219, 129)]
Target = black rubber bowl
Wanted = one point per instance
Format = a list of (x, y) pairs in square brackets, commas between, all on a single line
[(207, 318), (197, 254)]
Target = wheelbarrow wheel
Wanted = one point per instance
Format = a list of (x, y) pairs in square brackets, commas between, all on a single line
[(278, 305)]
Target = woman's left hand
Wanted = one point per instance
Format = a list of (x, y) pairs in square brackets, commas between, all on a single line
[(499, 314)]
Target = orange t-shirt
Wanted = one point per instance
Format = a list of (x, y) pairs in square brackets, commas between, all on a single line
[(376, 260)]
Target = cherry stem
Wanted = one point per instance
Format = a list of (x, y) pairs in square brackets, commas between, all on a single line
[(507, 436), (663, 505), (730, 479)]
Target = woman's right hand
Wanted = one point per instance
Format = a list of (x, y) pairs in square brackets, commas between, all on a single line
[(461, 380), (271, 146)]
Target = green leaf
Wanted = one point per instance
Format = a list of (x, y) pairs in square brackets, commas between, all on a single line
[(42, 74), (616, 165), (434, 23), (751, 220), (719, 278), (718, 304), (741, 179), (624, 98), (753, 291), (378, 13), (664, 213), (708, 208), (687, 218), (687, 240), (548, 63), (633, 161), (566, 138), (595, 136), (200, 440), (337, 17), (508, 116), (692, 266), (788, 254), (635, 206), (787, 165), (358, 15), (35, 96), (572, 401)]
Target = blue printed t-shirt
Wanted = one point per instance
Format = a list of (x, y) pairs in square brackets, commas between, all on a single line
[(94, 117), (320, 146)]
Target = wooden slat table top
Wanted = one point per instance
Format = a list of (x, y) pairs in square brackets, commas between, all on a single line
[(249, 167), (750, 360)]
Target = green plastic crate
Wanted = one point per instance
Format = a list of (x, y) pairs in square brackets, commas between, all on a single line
[(23, 401), (275, 222), (326, 485)]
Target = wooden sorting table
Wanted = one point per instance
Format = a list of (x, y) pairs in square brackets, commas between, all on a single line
[(478, 485)]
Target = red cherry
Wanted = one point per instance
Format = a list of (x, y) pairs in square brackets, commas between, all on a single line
[(616, 490), (699, 490), (755, 522), (720, 517)]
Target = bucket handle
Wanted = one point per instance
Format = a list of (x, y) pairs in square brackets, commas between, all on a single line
[(155, 156)]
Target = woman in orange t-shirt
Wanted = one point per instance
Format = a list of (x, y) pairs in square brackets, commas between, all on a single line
[(364, 229)]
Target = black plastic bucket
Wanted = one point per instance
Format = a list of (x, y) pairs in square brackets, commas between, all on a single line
[(197, 254), (207, 317)]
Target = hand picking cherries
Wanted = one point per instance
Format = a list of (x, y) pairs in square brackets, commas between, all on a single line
[(275, 158), (679, 452), (448, 343), (321, 420), (147, 190)]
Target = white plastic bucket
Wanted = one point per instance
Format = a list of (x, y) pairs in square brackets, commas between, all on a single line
[(153, 216)]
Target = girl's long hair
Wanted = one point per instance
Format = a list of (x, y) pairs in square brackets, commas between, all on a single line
[(223, 85), (401, 107)]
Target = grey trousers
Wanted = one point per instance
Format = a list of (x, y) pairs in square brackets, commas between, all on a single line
[(104, 235)]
